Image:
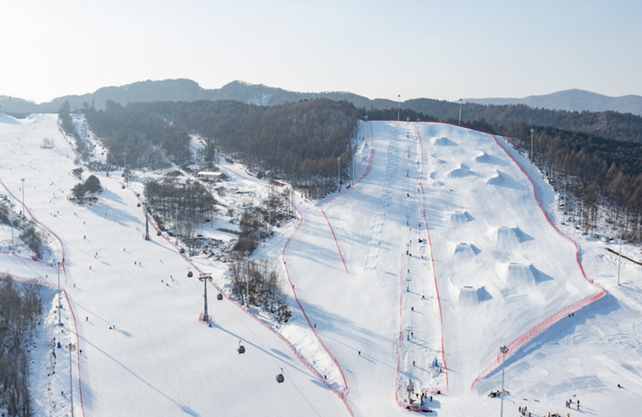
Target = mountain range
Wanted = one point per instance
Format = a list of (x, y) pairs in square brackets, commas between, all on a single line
[(259, 94)]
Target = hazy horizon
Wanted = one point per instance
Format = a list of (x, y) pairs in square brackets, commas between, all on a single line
[(414, 49)]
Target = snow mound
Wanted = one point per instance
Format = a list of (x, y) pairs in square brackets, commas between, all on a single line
[(461, 172), (502, 180), (459, 218), (444, 141), (518, 275), (5, 118), (498, 179), (485, 158), (510, 236), (464, 250), (470, 296)]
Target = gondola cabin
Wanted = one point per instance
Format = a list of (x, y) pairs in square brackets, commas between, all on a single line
[(138, 205), (241, 348), (190, 274), (219, 297), (158, 233), (280, 378)]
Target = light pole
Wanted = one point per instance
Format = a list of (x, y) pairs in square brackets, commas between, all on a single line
[(460, 112), (146, 220), (13, 245), (59, 304), (339, 172), (619, 256), (23, 197), (532, 130), (504, 350), (398, 106), (205, 278)]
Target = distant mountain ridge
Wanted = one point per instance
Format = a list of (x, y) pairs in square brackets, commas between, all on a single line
[(572, 100), (259, 94)]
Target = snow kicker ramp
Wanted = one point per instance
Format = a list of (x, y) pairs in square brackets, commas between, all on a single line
[(496, 273), (523, 274)]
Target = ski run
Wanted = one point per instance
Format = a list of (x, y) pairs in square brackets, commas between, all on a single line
[(447, 245)]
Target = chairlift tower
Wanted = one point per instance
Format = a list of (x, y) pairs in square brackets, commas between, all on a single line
[(205, 278), (504, 351), (59, 304), (146, 221), (23, 198)]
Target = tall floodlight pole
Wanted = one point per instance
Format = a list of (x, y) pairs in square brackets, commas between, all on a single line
[(398, 106), (72, 347), (13, 245), (460, 112), (205, 278), (504, 350), (23, 197), (339, 172), (59, 304), (619, 256), (146, 221), (532, 130)]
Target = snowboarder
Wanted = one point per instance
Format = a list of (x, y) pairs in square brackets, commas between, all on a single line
[(86, 318), (89, 266), (359, 353), (413, 363), (84, 237), (411, 308)]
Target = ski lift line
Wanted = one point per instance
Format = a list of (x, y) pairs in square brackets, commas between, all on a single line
[(341, 394), (540, 327), (73, 316), (400, 333), (432, 258), (275, 362)]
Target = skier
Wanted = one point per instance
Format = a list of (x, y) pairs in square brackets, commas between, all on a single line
[(86, 318)]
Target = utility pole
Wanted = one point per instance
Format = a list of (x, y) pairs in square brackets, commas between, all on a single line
[(619, 256), (205, 278), (23, 197), (504, 350), (460, 101), (72, 347), (59, 304), (146, 221), (398, 106), (532, 130), (13, 245)]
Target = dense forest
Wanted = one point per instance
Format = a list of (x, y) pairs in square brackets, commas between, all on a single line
[(300, 140), (20, 314)]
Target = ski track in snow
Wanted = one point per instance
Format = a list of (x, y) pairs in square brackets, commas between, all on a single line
[(490, 266)]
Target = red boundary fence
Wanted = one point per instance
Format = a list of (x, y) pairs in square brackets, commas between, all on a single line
[(539, 328), (347, 190), (432, 258), (341, 394)]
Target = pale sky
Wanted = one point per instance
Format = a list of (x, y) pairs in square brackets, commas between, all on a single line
[(444, 49)]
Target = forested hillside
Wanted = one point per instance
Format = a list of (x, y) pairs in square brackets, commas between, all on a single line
[(300, 140)]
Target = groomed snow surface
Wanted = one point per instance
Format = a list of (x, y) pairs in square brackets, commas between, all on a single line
[(438, 254)]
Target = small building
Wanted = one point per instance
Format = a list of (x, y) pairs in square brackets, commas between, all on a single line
[(209, 175)]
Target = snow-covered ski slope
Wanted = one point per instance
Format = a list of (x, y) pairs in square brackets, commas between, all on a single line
[(160, 360), (437, 256)]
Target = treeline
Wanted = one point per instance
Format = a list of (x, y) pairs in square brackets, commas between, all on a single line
[(299, 140), (138, 138), (608, 124), (180, 208), (591, 172), (20, 313), (256, 284), (29, 234)]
